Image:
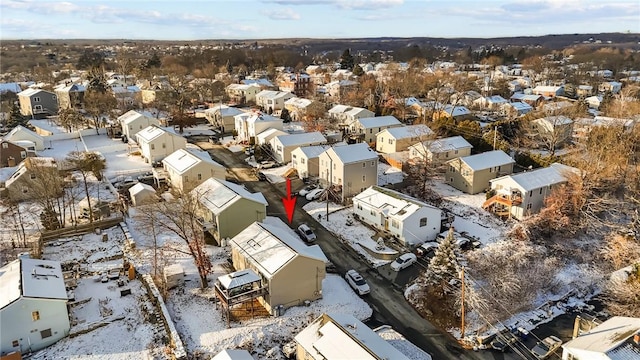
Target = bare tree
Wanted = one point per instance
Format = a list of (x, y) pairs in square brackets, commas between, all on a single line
[(87, 163)]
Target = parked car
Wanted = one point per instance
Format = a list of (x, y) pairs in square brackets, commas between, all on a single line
[(249, 151), (261, 176), (125, 184), (357, 282), (426, 249), (147, 178), (546, 347), (268, 164), (503, 341), (314, 194), (306, 233), (306, 190), (403, 261)]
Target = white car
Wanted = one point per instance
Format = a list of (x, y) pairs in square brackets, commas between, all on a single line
[(307, 189), (546, 347), (314, 194), (427, 248), (306, 233), (357, 282), (403, 261)]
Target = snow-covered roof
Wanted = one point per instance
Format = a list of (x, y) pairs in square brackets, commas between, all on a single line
[(242, 87), (270, 247), (520, 106), (447, 144), (182, 160), (613, 338), (224, 110), (535, 179), (153, 132), (260, 117), (33, 278), (70, 88), (312, 151), (378, 121), (543, 88), (342, 336), (401, 343), (407, 132), (457, 110), (269, 134), (352, 153), (238, 278), (233, 355), (31, 91), (304, 138), (139, 188), (273, 94), (259, 82), (555, 120), (487, 160), (22, 130), (217, 195), (390, 202), (525, 97), (12, 87), (297, 102), (133, 115)]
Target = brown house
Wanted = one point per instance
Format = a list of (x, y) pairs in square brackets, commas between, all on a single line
[(12, 154)]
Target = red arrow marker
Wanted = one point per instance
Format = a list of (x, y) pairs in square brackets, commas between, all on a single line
[(289, 202)]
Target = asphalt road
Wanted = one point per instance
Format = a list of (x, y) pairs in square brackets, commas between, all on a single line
[(386, 297)]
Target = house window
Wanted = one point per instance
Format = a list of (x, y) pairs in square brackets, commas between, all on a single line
[(153, 146), (364, 178), (373, 213), (302, 161), (199, 176), (381, 139), (15, 343), (5, 145), (36, 99), (186, 179), (456, 152), (35, 315), (390, 141), (373, 163), (334, 166), (531, 193), (359, 206), (45, 333), (395, 223), (370, 131), (528, 206), (32, 176), (37, 108), (423, 222), (164, 146), (540, 191)]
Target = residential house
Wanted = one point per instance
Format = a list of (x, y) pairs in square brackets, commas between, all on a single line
[(456, 112), (249, 125), (33, 305), (493, 102), (291, 270), (306, 160), (467, 98), (615, 339), (37, 103), (299, 84), (264, 83), (584, 91), (265, 137), (149, 89), (342, 74), (222, 117), (409, 220), (347, 114), (471, 174), (396, 139), (127, 96), (338, 88), (227, 208), (242, 94), (613, 87), (188, 168), (12, 154), (519, 108), (141, 194), (533, 100), (548, 91), (25, 184), (10, 87), (271, 101), (283, 145), (348, 169), (368, 128), (593, 102), (553, 131), (520, 195), (440, 150), (341, 336), (26, 138), (233, 355), (70, 96), (297, 107), (157, 142), (134, 121)]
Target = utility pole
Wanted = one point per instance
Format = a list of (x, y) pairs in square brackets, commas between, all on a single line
[(495, 136), (462, 304), (330, 182)]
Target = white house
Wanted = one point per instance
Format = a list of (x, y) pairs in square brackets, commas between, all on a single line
[(491, 102), (33, 305), (297, 107), (548, 91), (349, 169), (399, 138), (222, 117), (156, 142), (141, 194), (25, 138), (594, 101), (249, 125), (306, 160), (348, 114), (265, 137), (283, 145), (409, 220), (242, 93), (341, 336), (523, 194), (613, 87), (615, 339), (270, 100), (133, 121), (370, 127), (440, 149), (188, 168)]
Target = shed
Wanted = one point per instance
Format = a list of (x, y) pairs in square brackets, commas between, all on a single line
[(141, 194)]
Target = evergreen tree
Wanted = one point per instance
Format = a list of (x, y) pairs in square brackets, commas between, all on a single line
[(15, 117), (285, 116), (347, 61), (357, 70), (444, 266)]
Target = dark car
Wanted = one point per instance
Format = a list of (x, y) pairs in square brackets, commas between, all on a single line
[(261, 176), (503, 341)]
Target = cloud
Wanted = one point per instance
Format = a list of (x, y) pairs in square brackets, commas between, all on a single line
[(343, 4), (283, 14)]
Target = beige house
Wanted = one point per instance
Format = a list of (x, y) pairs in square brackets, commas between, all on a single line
[(31, 176), (37, 103), (471, 174), (553, 131), (188, 168), (347, 114), (242, 93), (157, 142), (341, 336), (270, 100), (292, 270), (297, 107), (396, 139), (133, 121), (440, 150), (368, 128), (520, 195), (228, 208), (283, 145), (222, 117), (265, 137), (306, 160), (348, 169), (70, 95)]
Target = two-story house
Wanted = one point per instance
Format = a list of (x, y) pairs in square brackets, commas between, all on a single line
[(134, 121), (396, 139), (347, 114), (440, 150), (553, 131), (348, 169), (31, 176), (12, 154), (188, 168), (297, 107), (283, 145), (157, 142), (299, 84), (271, 101), (242, 93), (26, 138), (471, 174), (38, 103), (306, 160), (249, 125), (222, 117), (70, 96), (368, 128)]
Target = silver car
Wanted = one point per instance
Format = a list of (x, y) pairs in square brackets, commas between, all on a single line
[(357, 282), (546, 347)]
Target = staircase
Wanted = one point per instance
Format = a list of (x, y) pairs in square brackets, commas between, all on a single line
[(501, 204)]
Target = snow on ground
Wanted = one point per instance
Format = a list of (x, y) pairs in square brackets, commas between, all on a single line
[(230, 143), (88, 248), (387, 174), (200, 129), (356, 235), (401, 343)]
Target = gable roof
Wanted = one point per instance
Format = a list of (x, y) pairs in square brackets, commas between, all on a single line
[(486, 160), (12, 87), (33, 278), (260, 117), (273, 94), (303, 138), (535, 179), (32, 91), (457, 110), (233, 355), (297, 102), (555, 120), (217, 195), (520, 106), (447, 144), (153, 132), (312, 151), (270, 247), (612, 338), (378, 121), (408, 132), (352, 153), (182, 160), (133, 115), (391, 202), (224, 110), (23, 130)]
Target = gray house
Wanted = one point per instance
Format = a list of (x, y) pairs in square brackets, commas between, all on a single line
[(472, 174), (38, 103)]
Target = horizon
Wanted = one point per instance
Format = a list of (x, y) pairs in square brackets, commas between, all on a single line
[(199, 20)]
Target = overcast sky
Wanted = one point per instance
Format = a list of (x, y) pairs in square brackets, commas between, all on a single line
[(261, 19)]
